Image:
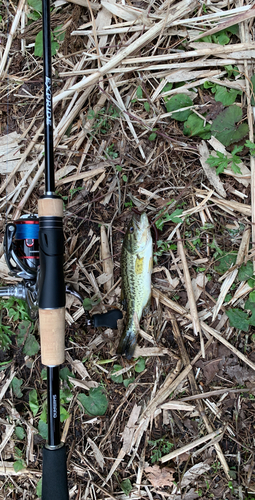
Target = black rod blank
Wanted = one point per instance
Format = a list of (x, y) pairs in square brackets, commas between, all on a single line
[(48, 111)]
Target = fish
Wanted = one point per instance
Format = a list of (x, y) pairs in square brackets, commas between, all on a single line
[(136, 268)]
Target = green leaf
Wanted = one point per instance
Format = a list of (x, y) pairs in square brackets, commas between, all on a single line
[(43, 429), (39, 488), (156, 455), (227, 298), (252, 318), (146, 106), (224, 127), (35, 4), (126, 486), (63, 414), (235, 160), (195, 126), (118, 168), (252, 296), (238, 319), (124, 177), (221, 38), (34, 15), (209, 85), (206, 39), (118, 379), (128, 381), (89, 303), (169, 217), (251, 282), (24, 328), (58, 33), (246, 271), (31, 346), (39, 44), (166, 88), (140, 365), (174, 216), (44, 414), (17, 452), (19, 465), (64, 373), (44, 374), (139, 92), (177, 102), (5, 333), (251, 147), (220, 162), (237, 149), (33, 402), (233, 29), (20, 433), (54, 48), (5, 340), (225, 262), (227, 97), (152, 136), (65, 395), (96, 403), (16, 385)]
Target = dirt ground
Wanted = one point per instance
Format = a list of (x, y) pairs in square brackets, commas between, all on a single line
[(177, 420)]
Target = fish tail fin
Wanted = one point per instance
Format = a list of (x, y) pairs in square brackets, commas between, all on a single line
[(127, 343)]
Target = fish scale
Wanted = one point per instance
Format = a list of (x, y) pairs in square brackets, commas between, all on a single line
[(136, 267)]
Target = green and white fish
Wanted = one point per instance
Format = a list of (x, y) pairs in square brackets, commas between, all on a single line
[(136, 268)]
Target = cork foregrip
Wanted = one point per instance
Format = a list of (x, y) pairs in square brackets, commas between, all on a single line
[(50, 207), (52, 334)]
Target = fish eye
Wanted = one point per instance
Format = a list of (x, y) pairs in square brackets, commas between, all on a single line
[(131, 229)]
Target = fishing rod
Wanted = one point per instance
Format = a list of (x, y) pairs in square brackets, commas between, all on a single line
[(51, 290)]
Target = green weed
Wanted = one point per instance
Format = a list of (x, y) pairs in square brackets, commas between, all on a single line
[(222, 161), (160, 447), (222, 94), (103, 119), (222, 37), (226, 126), (57, 35), (163, 247), (173, 217), (119, 379)]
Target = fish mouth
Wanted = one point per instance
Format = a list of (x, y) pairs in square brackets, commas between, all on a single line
[(142, 229), (141, 221)]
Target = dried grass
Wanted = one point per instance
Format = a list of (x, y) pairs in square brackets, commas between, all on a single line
[(104, 160)]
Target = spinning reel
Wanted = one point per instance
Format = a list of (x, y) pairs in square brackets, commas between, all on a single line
[(21, 250)]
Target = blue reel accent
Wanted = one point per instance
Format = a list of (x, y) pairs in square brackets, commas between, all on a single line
[(26, 231)]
